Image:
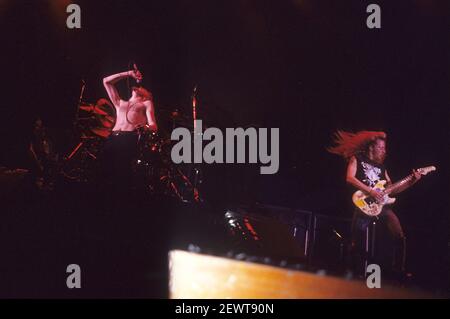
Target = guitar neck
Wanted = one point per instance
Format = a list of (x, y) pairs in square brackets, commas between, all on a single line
[(399, 184)]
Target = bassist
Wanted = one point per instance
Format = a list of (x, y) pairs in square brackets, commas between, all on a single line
[(365, 152)]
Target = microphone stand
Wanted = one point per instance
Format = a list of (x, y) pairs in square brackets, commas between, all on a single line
[(80, 99), (196, 170), (194, 106), (76, 129)]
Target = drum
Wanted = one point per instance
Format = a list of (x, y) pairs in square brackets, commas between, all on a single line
[(96, 120), (80, 164)]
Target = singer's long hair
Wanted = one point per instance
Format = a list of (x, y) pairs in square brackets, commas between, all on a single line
[(143, 93), (348, 144)]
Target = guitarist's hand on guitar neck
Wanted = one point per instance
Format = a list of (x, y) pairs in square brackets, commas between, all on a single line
[(417, 175)]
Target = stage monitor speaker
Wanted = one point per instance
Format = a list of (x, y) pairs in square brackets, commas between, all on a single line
[(264, 236), (329, 242)]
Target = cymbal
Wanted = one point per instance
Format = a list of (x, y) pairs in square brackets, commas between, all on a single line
[(100, 131), (102, 107), (88, 108), (173, 115), (106, 121), (94, 109), (103, 102), (100, 111)]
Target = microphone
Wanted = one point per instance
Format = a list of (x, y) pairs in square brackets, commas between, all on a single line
[(136, 70), (194, 105), (194, 92)]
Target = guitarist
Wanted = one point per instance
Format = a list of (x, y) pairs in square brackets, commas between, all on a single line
[(365, 152)]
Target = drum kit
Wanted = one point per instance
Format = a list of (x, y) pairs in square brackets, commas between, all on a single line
[(153, 166)]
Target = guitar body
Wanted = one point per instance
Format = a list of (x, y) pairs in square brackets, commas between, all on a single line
[(368, 205)]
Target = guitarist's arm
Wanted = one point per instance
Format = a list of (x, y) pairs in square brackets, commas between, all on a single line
[(408, 184), (352, 180)]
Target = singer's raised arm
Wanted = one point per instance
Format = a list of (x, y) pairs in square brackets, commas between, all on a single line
[(109, 82)]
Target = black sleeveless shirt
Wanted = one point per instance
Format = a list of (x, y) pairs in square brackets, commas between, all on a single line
[(368, 171)]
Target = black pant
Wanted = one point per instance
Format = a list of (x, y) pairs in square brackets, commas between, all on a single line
[(134, 243), (390, 241), (116, 163)]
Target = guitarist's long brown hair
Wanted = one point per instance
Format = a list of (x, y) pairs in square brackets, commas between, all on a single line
[(349, 144)]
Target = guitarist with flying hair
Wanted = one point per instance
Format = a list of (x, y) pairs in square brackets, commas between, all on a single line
[(365, 152)]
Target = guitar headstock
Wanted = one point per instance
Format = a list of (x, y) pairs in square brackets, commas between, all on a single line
[(426, 170)]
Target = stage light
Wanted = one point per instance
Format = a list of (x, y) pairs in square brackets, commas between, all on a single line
[(58, 9), (4, 5)]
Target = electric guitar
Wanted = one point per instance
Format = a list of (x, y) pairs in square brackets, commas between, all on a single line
[(370, 206)]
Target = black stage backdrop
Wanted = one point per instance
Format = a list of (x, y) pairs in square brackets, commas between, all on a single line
[(306, 67)]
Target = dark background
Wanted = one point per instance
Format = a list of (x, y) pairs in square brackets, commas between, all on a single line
[(307, 67)]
